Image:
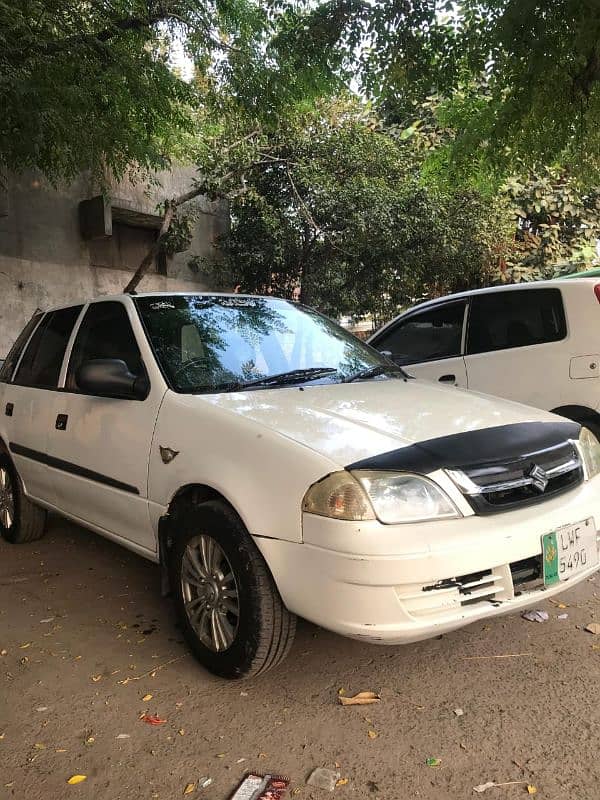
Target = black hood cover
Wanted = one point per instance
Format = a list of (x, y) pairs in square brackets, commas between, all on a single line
[(474, 448)]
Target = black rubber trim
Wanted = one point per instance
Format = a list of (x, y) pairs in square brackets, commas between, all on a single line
[(73, 469), (472, 448)]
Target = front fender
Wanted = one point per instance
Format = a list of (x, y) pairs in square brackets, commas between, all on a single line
[(262, 474)]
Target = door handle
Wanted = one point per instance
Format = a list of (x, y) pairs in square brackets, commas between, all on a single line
[(447, 379), (10, 407), (61, 422)]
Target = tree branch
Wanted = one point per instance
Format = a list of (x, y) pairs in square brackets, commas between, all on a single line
[(304, 210), (174, 203), (148, 259), (303, 207)]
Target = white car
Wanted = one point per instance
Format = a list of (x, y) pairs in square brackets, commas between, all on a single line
[(274, 465), (530, 342)]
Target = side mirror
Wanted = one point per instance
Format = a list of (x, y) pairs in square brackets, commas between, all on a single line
[(395, 359), (110, 377)]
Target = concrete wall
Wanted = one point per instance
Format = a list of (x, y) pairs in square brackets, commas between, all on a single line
[(45, 261)]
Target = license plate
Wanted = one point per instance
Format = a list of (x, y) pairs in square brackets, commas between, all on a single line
[(568, 551)]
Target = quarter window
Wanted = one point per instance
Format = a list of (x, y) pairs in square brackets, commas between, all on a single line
[(15, 351), (44, 356), (503, 320), (105, 332), (426, 336)]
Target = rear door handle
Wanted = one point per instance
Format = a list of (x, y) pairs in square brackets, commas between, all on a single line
[(10, 407), (61, 422), (447, 379)]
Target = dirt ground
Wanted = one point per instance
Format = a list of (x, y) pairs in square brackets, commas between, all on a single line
[(80, 615)]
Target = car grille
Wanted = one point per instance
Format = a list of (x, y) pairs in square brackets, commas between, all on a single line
[(471, 588), (487, 586), (476, 590), (494, 487)]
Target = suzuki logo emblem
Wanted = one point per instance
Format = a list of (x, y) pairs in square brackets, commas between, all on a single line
[(539, 478)]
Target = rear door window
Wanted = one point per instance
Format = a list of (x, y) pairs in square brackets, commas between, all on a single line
[(12, 359), (503, 320), (427, 335), (42, 362)]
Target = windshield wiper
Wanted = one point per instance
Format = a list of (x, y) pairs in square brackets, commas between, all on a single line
[(284, 378), (373, 372)]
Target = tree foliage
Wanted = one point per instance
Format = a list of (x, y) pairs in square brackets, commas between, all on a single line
[(526, 72), (557, 225), (327, 203), (91, 85), (554, 220)]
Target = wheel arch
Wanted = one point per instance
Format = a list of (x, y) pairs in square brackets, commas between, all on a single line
[(582, 414), (194, 494)]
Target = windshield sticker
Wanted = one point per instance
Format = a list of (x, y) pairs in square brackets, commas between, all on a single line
[(162, 306)]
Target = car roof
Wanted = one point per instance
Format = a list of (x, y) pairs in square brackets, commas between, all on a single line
[(120, 297), (509, 287)]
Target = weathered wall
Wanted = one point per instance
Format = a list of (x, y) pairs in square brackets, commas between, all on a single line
[(45, 261)]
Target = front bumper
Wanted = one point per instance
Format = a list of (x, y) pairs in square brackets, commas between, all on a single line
[(394, 584)]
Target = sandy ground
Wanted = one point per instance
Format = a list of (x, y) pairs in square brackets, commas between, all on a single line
[(79, 615)]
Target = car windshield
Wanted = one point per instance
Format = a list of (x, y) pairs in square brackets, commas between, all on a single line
[(230, 343)]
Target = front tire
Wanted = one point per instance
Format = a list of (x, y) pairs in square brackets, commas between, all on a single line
[(230, 610), (20, 520)]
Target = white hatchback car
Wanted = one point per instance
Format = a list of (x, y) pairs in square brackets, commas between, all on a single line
[(530, 342), (274, 465)]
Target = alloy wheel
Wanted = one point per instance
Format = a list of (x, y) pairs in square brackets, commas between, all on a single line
[(7, 500), (210, 593)]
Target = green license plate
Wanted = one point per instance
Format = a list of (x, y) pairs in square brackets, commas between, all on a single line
[(568, 551)]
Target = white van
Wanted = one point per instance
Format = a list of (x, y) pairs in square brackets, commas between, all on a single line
[(531, 342)]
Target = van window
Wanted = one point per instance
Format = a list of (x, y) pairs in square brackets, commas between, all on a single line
[(426, 336), (502, 320), (41, 364)]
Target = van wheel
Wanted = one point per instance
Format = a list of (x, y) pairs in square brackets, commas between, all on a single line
[(593, 427), (20, 520), (230, 610)]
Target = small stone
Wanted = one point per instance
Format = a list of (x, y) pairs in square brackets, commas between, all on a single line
[(324, 778)]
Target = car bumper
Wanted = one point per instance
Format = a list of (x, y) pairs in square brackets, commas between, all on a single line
[(393, 584)]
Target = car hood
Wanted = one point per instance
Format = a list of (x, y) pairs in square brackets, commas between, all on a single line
[(355, 421)]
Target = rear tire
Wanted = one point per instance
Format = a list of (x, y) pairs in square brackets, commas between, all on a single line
[(230, 611), (20, 520)]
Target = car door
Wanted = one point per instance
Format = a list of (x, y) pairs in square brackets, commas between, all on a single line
[(101, 445), (429, 343), (517, 347), (7, 370), (30, 400)]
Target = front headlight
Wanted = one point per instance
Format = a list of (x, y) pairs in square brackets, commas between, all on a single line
[(391, 498), (590, 451), (406, 498)]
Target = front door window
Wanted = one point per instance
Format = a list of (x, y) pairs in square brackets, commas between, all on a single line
[(426, 336)]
